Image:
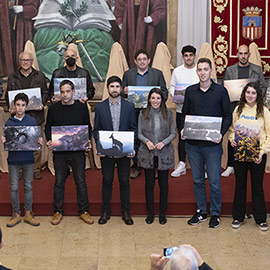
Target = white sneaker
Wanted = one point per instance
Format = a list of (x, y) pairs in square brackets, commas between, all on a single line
[(228, 172), (205, 175), (180, 170)]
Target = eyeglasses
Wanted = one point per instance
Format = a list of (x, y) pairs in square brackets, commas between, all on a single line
[(26, 60)]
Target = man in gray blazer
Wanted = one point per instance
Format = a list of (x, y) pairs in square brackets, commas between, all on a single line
[(243, 69), (142, 75)]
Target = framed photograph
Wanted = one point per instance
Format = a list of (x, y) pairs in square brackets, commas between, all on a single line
[(235, 87), (34, 95), (70, 138), (247, 138), (115, 143), (79, 86), (22, 138), (179, 92), (139, 95), (204, 128)]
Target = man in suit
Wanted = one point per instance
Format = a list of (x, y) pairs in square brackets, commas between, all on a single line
[(243, 69), (142, 75), (115, 114), (1, 245)]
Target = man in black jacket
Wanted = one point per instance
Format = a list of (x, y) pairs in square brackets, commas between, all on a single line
[(71, 70), (24, 78)]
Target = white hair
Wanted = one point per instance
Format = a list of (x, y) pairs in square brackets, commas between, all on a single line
[(183, 259)]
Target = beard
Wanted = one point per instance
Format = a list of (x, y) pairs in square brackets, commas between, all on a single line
[(114, 94)]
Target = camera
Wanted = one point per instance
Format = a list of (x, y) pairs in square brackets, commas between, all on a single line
[(168, 251)]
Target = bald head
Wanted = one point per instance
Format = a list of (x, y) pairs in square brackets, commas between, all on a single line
[(70, 58), (243, 55)]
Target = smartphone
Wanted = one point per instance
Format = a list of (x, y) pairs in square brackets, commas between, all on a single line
[(168, 251)]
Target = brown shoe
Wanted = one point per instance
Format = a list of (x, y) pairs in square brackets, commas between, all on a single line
[(135, 174), (30, 219), (86, 218), (14, 220), (37, 176), (56, 219)]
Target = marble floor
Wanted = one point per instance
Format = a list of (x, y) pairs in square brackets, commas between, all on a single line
[(75, 245)]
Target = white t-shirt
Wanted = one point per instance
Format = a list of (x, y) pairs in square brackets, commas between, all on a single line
[(182, 74)]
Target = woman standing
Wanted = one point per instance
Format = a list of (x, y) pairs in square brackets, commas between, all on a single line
[(250, 137), (156, 130)]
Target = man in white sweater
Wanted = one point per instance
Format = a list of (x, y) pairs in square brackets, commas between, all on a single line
[(183, 75)]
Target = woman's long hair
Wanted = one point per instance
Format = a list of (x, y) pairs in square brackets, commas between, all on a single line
[(163, 107), (259, 100)]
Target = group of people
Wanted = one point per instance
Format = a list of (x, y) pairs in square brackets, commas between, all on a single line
[(154, 130)]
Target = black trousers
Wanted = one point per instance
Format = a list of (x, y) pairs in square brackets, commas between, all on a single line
[(258, 201), (230, 152), (150, 186), (123, 168), (181, 143)]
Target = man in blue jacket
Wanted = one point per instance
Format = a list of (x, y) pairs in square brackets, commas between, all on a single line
[(115, 114)]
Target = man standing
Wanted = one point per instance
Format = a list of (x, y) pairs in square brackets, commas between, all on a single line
[(115, 114), (242, 70), (68, 112), (142, 75), (24, 78), (71, 70), (206, 99), (184, 74)]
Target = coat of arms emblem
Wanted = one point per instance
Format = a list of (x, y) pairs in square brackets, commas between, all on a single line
[(252, 23)]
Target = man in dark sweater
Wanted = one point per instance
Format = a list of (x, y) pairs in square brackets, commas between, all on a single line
[(71, 70), (206, 99), (68, 112)]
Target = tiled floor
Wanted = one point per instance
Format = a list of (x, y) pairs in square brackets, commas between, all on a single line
[(75, 245)]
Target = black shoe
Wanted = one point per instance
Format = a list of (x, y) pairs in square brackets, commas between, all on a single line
[(150, 219), (214, 222), (127, 218), (162, 219), (103, 219), (135, 173), (197, 218)]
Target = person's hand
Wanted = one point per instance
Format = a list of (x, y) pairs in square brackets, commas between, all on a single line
[(182, 135), (88, 148), (12, 110), (3, 139), (133, 155), (148, 19), (159, 145), (49, 144), (55, 99), (233, 143), (150, 145), (218, 141), (158, 261), (259, 159), (40, 140), (18, 9), (83, 100), (120, 26), (126, 90)]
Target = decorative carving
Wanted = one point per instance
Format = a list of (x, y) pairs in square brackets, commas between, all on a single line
[(217, 19), (220, 5), (265, 67), (223, 28), (220, 48)]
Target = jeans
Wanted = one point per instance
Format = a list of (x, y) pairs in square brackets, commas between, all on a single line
[(27, 170), (150, 186), (108, 166), (258, 201), (62, 161), (209, 156)]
